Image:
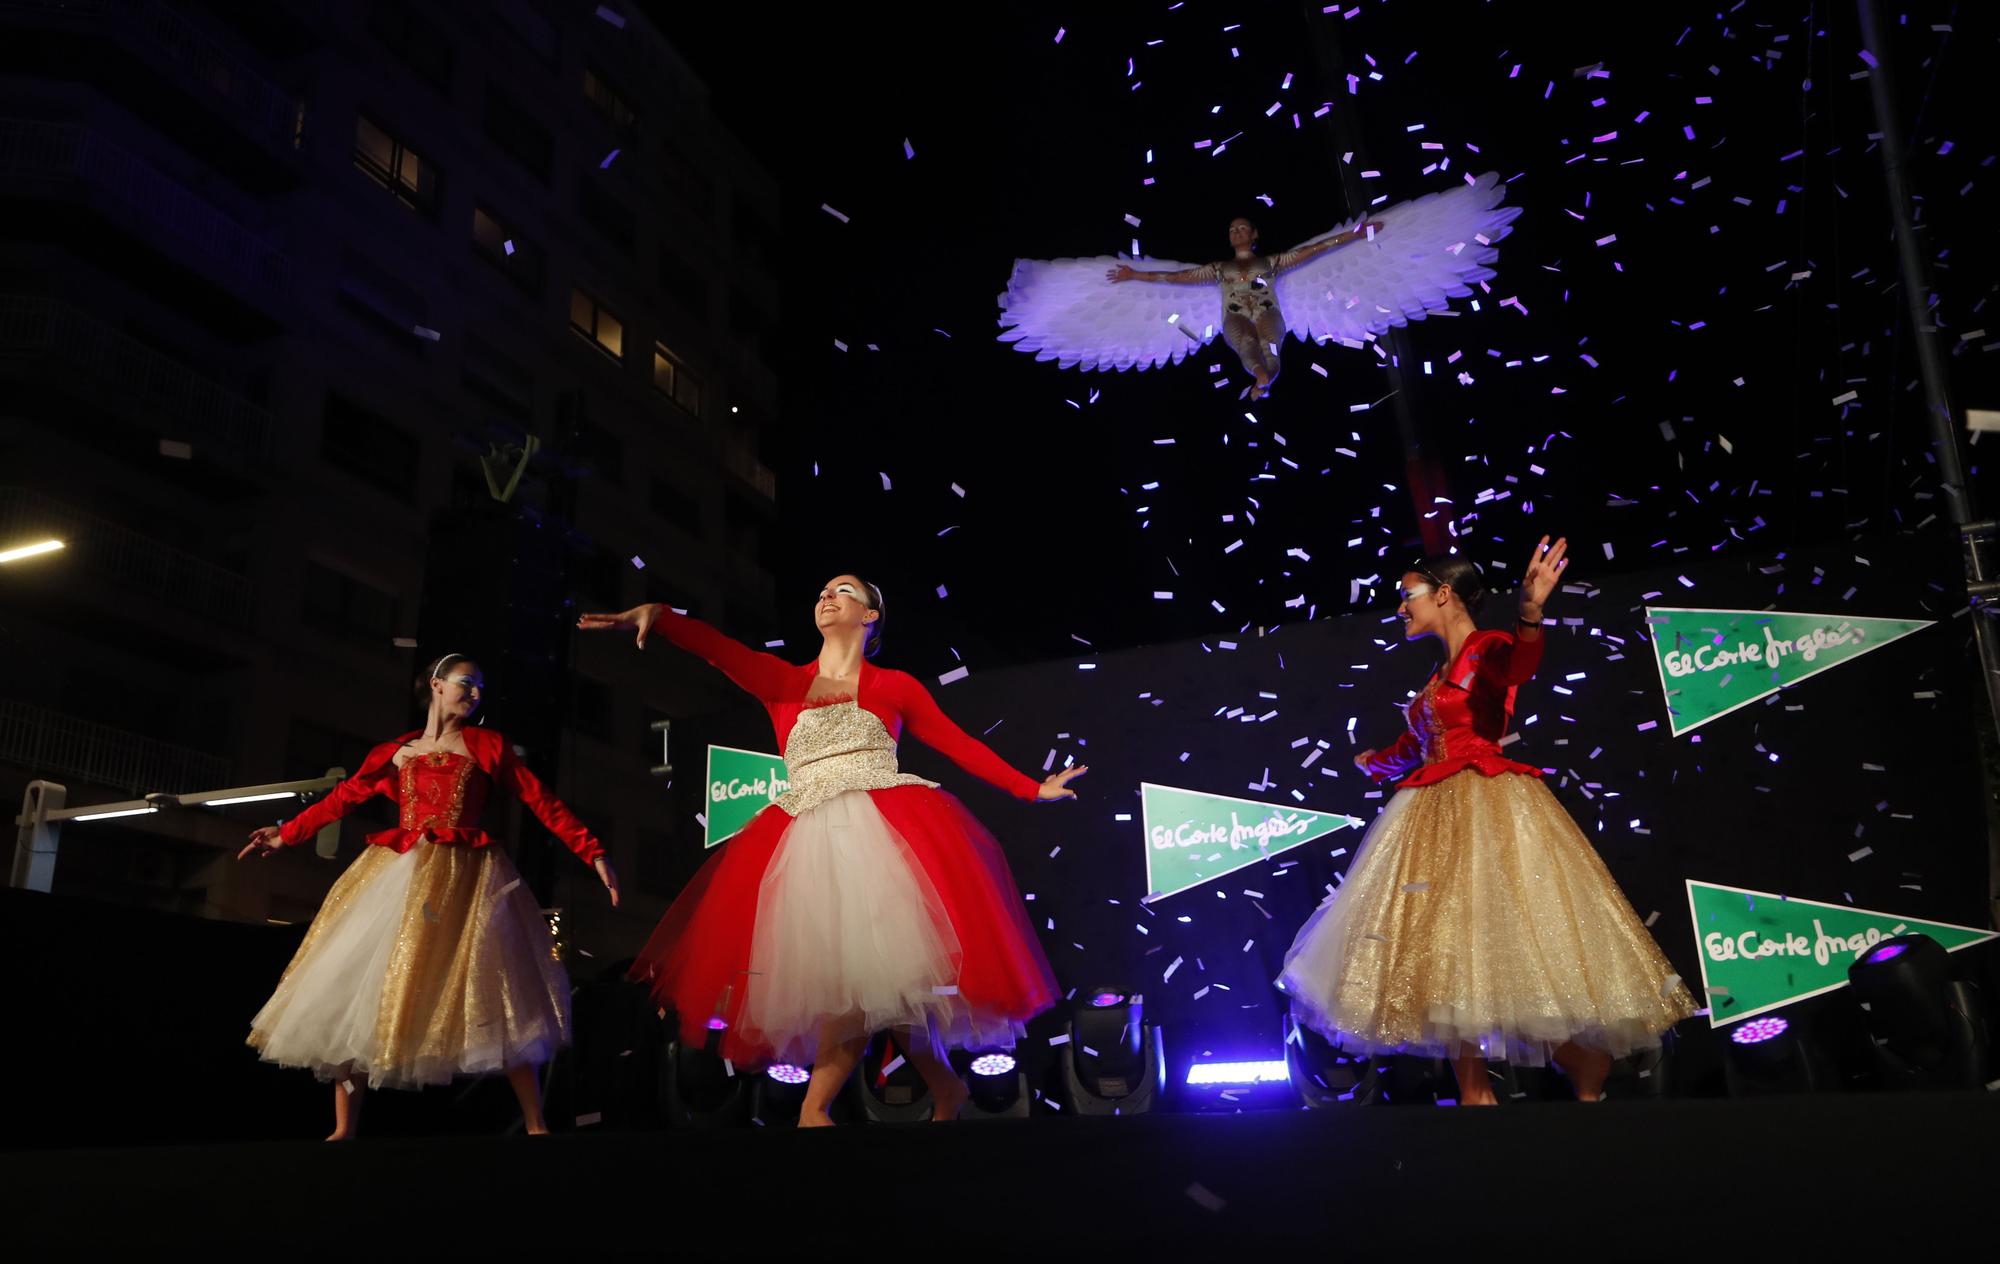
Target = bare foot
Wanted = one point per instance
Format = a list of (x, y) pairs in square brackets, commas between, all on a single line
[(953, 1101), (815, 1119), (339, 1135), (542, 1131)]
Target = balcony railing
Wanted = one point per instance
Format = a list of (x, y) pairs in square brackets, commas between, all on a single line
[(126, 558), (168, 39), (52, 743), (129, 377), (743, 463), (33, 152)]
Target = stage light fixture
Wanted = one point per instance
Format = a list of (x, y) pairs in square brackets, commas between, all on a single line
[(699, 1090), (1773, 1054), (885, 1088), (999, 1087), (778, 1094), (1928, 1029), (1112, 1062), (1325, 1076)]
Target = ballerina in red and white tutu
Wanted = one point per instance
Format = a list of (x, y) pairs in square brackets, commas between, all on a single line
[(865, 899)]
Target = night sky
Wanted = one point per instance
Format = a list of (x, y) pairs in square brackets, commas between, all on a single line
[(1704, 265)]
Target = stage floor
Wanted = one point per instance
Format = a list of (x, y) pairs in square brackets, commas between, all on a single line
[(1777, 1177)]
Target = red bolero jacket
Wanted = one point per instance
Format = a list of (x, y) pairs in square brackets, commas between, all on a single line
[(896, 698), (441, 796), (1458, 720)]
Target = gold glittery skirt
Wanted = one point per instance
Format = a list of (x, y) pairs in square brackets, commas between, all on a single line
[(1477, 917), (419, 967)]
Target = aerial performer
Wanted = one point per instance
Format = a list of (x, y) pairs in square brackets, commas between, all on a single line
[(1349, 284)]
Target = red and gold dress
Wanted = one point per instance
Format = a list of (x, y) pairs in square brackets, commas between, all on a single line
[(429, 958), (865, 898), (1475, 912)]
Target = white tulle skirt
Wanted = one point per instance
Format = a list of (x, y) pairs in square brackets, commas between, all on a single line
[(419, 967), (851, 938)]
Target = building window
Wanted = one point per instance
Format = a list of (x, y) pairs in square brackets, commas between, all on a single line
[(673, 379), (685, 177), (391, 163), (590, 321), (380, 299), (369, 446), (518, 134), (612, 219), (598, 448), (420, 44), (663, 592), (343, 606), (756, 240), (498, 378), (677, 507), (610, 102), (681, 279), (500, 245), (534, 31)]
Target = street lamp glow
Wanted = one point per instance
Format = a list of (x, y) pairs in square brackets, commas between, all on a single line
[(30, 550)]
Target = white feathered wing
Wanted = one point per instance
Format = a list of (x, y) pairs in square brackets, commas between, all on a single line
[(1065, 310), (1426, 253)]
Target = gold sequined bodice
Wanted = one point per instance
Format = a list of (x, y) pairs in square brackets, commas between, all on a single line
[(835, 748), (440, 790)]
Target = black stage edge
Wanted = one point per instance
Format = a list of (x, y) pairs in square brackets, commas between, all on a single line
[(1775, 1177)]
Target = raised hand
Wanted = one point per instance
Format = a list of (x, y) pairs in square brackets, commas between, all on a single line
[(1545, 568), (263, 842), (608, 876), (641, 618), (1057, 785)]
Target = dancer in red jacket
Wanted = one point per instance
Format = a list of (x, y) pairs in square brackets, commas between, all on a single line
[(865, 899), (429, 958), (1476, 920)]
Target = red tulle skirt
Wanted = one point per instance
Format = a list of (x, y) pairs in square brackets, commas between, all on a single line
[(877, 909)]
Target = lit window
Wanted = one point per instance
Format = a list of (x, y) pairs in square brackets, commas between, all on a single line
[(673, 379), (391, 163), (609, 101), (590, 320), (505, 248)]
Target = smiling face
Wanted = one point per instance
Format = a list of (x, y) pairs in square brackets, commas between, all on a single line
[(457, 688), (1242, 235), (844, 602), (1421, 605)]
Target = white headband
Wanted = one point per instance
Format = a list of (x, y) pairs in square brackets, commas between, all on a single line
[(439, 665)]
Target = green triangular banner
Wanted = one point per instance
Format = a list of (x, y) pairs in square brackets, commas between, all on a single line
[(741, 784), (1713, 661), (1760, 951), (1192, 838)]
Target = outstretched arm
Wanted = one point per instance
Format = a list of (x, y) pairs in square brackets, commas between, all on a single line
[(1300, 254), (765, 676), (1202, 275), (376, 776), (931, 726)]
